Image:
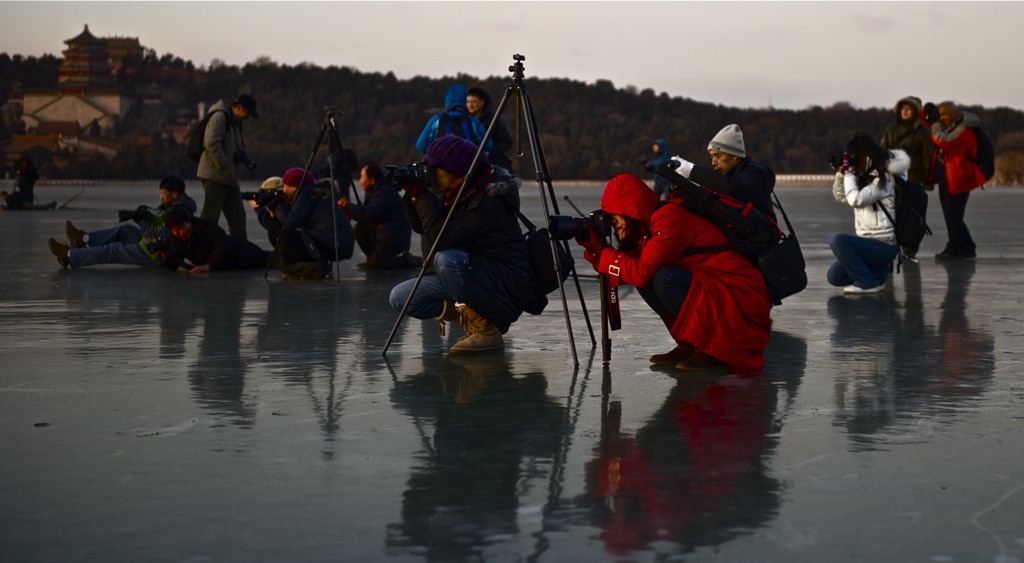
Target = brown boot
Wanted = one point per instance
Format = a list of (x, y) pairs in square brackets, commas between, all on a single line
[(700, 361), (481, 335), (681, 352), (448, 315)]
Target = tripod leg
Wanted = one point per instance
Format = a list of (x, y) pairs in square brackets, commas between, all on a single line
[(538, 161)]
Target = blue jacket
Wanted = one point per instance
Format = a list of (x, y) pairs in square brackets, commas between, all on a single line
[(455, 116), (661, 185)]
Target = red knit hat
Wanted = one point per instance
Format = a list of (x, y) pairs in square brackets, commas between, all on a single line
[(294, 175)]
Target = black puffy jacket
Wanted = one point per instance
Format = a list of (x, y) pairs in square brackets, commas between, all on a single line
[(500, 280)]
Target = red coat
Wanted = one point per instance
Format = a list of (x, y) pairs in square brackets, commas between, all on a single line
[(959, 147), (726, 312)]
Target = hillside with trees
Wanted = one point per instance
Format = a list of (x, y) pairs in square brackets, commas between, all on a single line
[(588, 131)]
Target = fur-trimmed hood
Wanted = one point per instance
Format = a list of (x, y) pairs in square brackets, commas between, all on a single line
[(899, 163), (964, 121)]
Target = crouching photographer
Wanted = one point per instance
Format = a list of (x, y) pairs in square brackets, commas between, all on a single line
[(302, 225), (481, 273), (866, 181), (713, 301)]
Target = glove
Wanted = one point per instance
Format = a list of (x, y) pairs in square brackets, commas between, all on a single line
[(682, 166), (414, 191), (591, 241), (846, 168), (593, 255)]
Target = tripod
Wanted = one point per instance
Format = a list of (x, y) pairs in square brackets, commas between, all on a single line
[(524, 112), (334, 141)]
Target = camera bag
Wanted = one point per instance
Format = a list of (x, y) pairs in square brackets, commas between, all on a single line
[(539, 246)]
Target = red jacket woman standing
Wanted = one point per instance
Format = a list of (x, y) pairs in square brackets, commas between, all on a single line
[(713, 301)]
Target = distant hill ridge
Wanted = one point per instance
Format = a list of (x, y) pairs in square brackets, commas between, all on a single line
[(588, 131)]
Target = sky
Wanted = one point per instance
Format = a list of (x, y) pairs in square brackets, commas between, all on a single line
[(789, 55)]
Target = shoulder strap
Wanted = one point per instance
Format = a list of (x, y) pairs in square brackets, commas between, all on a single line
[(785, 217)]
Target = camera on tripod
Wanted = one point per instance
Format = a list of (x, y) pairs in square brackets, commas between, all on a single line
[(268, 198), (418, 173), (565, 227), (849, 157)]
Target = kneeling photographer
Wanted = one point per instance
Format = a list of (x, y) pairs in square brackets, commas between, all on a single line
[(381, 229), (866, 181), (301, 225), (482, 273), (713, 301)]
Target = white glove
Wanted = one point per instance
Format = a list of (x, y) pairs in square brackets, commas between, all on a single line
[(684, 167)]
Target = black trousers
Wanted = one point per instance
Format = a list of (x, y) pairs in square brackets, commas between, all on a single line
[(953, 209)]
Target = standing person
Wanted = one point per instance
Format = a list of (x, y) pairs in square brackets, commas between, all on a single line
[(126, 243), (869, 184), (713, 301), (478, 102), (381, 228), (732, 172), (220, 166), (912, 137), (27, 177), (957, 147), (302, 227), (202, 246), (456, 120), (482, 271), (659, 155)]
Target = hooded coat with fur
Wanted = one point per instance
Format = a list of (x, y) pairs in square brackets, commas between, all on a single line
[(869, 219), (959, 146), (726, 311), (500, 281)]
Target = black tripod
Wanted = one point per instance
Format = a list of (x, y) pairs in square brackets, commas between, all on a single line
[(524, 112), (334, 141)]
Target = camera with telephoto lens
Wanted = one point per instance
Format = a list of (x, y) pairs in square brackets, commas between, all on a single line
[(139, 214), (414, 174), (241, 155), (268, 198), (565, 227), (837, 160)]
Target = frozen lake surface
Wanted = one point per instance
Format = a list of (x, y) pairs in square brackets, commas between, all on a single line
[(154, 416)]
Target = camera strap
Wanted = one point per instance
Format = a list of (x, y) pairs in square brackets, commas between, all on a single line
[(612, 303)]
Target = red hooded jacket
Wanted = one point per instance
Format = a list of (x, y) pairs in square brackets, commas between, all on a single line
[(726, 312)]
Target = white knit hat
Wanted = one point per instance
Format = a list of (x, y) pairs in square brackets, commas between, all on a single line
[(730, 141), (272, 183)]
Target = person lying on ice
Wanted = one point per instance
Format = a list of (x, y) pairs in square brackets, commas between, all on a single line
[(713, 301), (202, 246)]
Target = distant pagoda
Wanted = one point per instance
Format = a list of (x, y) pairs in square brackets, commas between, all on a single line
[(86, 64)]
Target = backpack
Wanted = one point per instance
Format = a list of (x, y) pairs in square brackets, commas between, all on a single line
[(752, 234), (196, 147), (539, 245), (911, 208), (986, 158), (456, 124)]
